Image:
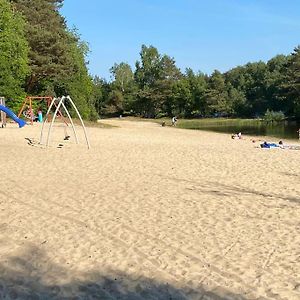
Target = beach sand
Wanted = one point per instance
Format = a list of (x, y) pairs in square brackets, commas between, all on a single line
[(149, 212)]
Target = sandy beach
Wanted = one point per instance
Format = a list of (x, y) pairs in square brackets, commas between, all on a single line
[(149, 212)]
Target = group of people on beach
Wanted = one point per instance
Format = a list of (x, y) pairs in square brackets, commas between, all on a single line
[(238, 136), (280, 145), (265, 144)]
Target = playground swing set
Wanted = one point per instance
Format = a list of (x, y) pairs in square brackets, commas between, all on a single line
[(27, 108), (52, 103), (61, 103)]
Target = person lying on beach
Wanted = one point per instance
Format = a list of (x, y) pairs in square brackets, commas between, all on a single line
[(279, 145), (290, 147), (236, 136), (269, 145)]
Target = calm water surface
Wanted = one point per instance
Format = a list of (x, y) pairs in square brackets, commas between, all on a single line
[(283, 130)]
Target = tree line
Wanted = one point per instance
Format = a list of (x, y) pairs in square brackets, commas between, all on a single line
[(40, 55), (157, 88)]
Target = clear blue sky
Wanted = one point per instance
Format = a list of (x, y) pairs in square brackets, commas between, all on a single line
[(201, 34)]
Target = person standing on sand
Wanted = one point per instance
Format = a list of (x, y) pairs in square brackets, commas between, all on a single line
[(299, 133), (174, 121)]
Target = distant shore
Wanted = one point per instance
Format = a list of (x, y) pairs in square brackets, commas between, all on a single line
[(249, 127)]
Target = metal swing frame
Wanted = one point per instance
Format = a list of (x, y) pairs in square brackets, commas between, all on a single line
[(60, 102)]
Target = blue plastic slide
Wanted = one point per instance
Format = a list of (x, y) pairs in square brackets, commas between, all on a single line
[(13, 116)]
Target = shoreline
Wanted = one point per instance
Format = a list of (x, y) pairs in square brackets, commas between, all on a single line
[(261, 138)]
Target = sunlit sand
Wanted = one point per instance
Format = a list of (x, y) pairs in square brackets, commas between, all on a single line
[(149, 212)]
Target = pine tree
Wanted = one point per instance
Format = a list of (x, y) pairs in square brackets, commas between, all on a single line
[(48, 40), (13, 50)]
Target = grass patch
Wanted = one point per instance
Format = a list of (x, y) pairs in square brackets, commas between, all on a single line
[(198, 123), (206, 123), (86, 123), (93, 124)]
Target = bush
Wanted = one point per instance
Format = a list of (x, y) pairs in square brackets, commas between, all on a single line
[(161, 115), (274, 116), (93, 115)]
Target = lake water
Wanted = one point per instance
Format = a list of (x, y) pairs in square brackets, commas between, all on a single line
[(282, 130)]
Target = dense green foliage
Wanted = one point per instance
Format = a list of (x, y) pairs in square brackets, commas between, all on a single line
[(159, 88), (274, 116), (13, 52), (41, 56)]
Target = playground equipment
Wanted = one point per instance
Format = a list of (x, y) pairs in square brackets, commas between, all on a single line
[(27, 109), (2, 114), (58, 103), (6, 111)]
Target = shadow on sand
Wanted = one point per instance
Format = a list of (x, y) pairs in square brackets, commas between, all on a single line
[(217, 188), (30, 275)]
